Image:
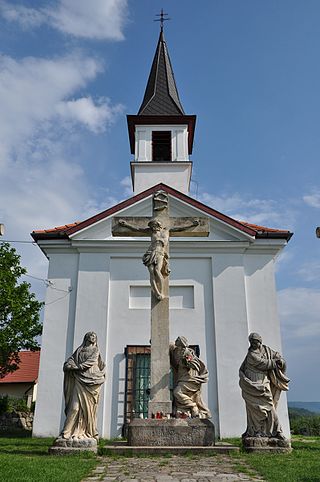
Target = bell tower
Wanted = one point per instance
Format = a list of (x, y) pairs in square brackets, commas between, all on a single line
[(161, 134)]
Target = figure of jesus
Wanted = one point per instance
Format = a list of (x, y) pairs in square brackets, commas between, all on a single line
[(156, 258)]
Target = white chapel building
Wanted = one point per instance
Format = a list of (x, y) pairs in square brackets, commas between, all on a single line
[(222, 287)]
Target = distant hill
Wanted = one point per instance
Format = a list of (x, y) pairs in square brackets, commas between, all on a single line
[(309, 406), (300, 412)]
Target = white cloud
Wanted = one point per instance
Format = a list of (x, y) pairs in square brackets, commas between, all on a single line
[(257, 211), (35, 91), (41, 185), (127, 185), (313, 199), (96, 19), (93, 19), (27, 17), (283, 259), (85, 111), (299, 310), (34, 196), (310, 271), (43, 108)]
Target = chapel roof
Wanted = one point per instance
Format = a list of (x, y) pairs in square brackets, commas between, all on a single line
[(63, 232), (161, 95), (28, 368)]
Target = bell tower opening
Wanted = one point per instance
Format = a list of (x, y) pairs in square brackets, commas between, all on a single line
[(161, 146)]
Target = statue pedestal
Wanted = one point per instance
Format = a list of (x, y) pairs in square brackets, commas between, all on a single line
[(174, 432), (63, 446), (266, 444)]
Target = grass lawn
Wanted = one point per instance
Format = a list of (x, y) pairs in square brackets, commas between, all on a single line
[(302, 465), (26, 460)]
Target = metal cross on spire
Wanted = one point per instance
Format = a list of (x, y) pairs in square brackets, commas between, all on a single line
[(162, 18)]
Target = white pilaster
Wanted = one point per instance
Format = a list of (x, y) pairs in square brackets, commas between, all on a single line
[(57, 339), (231, 330), (92, 309)]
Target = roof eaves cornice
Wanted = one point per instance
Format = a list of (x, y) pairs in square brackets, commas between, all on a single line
[(251, 230)]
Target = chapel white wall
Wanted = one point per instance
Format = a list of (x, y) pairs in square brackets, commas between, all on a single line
[(234, 294)]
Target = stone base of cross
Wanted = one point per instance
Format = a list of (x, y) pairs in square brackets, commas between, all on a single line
[(160, 228)]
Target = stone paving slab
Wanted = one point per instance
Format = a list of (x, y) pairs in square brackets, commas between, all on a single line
[(175, 468)]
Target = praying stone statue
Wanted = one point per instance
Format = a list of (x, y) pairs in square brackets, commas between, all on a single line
[(262, 378), (189, 375), (83, 377)]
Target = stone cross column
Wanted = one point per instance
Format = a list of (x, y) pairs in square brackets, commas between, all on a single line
[(160, 360), (160, 227)]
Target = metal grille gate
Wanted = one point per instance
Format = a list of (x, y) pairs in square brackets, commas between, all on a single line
[(137, 387)]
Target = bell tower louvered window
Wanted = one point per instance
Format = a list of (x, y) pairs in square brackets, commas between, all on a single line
[(161, 146)]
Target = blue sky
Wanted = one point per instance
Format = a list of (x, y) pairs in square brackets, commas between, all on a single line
[(71, 69)]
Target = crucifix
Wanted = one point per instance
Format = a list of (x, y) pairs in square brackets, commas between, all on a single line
[(162, 18), (160, 228)]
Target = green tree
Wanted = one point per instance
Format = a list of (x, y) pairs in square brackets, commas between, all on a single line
[(19, 311)]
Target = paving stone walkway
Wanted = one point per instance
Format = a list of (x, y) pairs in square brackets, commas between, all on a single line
[(220, 468)]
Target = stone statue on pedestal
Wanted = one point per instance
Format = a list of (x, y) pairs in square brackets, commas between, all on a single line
[(189, 375), (262, 378), (83, 377)]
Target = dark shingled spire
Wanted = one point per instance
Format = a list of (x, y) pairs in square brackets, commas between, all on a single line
[(161, 96)]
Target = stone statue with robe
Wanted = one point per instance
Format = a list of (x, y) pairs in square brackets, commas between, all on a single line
[(83, 377), (190, 373), (262, 378)]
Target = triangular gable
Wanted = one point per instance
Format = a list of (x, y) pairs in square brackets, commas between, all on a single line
[(246, 229), (218, 230)]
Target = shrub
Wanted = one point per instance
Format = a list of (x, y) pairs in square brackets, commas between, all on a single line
[(4, 404), (10, 404), (309, 426)]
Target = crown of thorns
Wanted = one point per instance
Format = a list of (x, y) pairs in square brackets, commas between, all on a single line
[(255, 336), (154, 222)]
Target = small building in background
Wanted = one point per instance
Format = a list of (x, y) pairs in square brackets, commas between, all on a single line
[(23, 382)]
